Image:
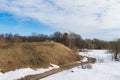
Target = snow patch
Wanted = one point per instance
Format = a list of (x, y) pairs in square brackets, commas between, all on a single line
[(85, 59), (78, 61), (55, 66), (20, 73), (106, 69), (98, 54)]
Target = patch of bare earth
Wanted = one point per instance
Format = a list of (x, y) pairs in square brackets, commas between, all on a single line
[(62, 68)]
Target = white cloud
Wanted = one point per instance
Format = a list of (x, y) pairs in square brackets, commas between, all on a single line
[(87, 17)]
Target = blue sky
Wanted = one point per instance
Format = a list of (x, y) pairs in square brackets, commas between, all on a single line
[(89, 18), (11, 24)]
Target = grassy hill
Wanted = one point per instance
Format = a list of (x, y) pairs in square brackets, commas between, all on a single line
[(34, 55)]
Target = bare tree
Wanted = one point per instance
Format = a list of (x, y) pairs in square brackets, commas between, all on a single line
[(115, 48), (66, 39), (2, 38), (57, 36)]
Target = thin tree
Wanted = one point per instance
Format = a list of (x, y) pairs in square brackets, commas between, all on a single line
[(115, 48)]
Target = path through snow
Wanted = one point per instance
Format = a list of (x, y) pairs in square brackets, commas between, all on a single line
[(103, 69), (20, 73)]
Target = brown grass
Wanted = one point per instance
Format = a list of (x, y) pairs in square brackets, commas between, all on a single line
[(53, 71), (35, 55)]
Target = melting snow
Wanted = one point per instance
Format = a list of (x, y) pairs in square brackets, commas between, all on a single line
[(104, 69), (85, 59), (78, 61), (20, 73), (55, 66)]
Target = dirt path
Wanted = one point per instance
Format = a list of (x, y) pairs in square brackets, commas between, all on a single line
[(48, 73)]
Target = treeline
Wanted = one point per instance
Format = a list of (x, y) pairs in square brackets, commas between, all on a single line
[(72, 40), (115, 49)]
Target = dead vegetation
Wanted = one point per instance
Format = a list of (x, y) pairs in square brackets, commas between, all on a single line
[(35, 55), (65, 67)]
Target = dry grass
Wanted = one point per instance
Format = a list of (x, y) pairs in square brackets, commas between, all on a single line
[(65, 67), (34, 55)]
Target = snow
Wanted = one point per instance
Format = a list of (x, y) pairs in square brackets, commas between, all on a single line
[(20, 73), (98, 54), (104, 69), (78, 61), (84, 59), (55, 66)]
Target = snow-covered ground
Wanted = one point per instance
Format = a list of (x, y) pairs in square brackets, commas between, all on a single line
[(19, 73), (99, 55), (104, 69)]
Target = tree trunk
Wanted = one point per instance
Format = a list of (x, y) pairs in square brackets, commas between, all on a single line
[(116, 57)]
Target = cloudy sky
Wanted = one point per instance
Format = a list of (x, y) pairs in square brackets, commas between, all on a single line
[(89, 18)]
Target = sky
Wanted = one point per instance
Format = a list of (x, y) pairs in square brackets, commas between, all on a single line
[(89, 18)]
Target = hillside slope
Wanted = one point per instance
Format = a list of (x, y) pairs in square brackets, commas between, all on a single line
[(34, 55)]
